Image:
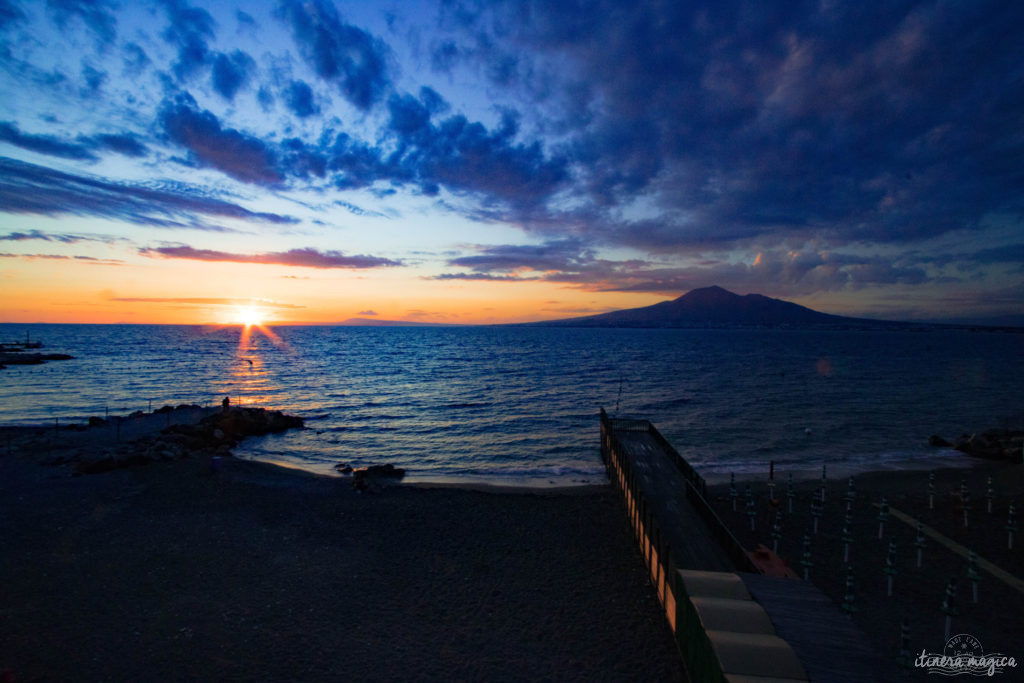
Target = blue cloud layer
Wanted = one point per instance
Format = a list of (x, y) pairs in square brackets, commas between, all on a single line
[(747, 121), (31, 189), (97, 15), (241, 156), (340, 53)]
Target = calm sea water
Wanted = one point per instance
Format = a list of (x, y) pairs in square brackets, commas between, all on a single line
[(521, 404)]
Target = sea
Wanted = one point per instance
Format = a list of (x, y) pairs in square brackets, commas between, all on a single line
[(520, 405)]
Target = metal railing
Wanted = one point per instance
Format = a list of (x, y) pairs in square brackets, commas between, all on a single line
[(696, 487)]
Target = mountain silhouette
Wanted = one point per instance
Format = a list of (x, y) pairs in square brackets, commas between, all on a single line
[(714, 307)]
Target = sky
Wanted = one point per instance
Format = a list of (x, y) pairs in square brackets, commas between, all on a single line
[(505, 161)]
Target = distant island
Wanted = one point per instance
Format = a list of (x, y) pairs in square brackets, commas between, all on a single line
[(718, 307), (371, 322)]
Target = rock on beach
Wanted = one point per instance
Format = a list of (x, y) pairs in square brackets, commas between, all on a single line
[(374, 476), (992, 444)]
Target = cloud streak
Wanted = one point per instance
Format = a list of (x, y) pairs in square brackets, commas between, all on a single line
[(302, 258), (54, 237), (30, 189), (82, 148), (202, 301), (63, 257), (44, 144)]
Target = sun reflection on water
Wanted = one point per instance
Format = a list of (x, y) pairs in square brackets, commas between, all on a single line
[(250, 380)]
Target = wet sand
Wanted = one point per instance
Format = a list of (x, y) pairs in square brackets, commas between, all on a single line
[(170, 572), (917, 593)]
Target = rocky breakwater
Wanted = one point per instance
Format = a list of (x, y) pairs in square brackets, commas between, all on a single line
[(214, 434), (22, 358), (992, 444)]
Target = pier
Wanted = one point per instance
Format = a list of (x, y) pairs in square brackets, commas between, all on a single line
[(732, 622)]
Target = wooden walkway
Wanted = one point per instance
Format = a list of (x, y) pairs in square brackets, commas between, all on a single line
[(691, 542)]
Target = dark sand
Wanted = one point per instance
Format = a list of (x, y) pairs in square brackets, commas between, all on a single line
[(169, 572), (996, 620)]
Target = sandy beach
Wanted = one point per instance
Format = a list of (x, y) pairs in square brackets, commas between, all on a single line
[(255, 572), (168, 571), (917, 593)]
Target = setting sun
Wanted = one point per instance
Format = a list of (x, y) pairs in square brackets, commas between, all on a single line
[(249, 316)]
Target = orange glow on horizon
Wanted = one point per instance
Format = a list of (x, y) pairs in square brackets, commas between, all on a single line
[(260, 296)]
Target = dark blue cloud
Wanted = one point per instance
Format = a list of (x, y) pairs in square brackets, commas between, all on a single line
[(339, 53), (740, 122), (31, 189), (1013, 253), (45, 144), (134, 60), (245, 21), (265, 98), (299, 98), (190, 30), (356, 163), (10, 13), (454, 153), (122, 143), (230, 151), (556, 255), (408, 116), (301, 160), (432, 101), (231, 72), (571, 261), (464, 156), (96, 14), (92, 80), (83, 148), (45, 237), (444, 56), (568, 261)]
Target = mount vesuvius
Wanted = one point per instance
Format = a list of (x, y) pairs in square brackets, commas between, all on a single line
[(717, 307)]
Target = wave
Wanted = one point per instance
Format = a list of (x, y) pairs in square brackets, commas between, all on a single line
[(510, 400), (540, 471)]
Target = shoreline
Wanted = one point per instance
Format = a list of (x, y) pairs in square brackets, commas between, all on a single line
[(254, 571)]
